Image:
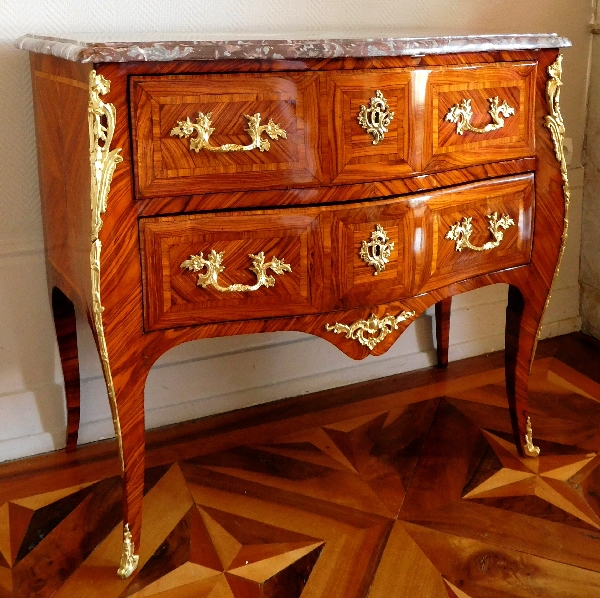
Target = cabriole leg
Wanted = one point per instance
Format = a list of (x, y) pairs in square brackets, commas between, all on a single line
[(125, 379), (521, 330), (130, 384), (442, 330), (63, 312)]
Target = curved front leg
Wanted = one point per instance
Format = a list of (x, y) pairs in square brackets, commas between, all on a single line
[(125, 379), (124, 373), (129, 383), (528, 300), (522, 322)]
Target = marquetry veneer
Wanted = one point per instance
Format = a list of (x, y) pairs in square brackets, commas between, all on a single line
[(466, 187)]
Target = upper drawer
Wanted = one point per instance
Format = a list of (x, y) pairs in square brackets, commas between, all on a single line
[(476, 114), (391, 123), (228, 144), (197, 134), (371, 128)]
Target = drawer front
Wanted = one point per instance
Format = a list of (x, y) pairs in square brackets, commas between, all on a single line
[(391, 249), (222, 146), (372, 258), (220, 267), (477, 114), (477, 229), (369, 124), (207, 268)]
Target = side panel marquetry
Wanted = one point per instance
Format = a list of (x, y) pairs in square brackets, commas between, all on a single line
[(167, 165), (61, 97), (512, 197), (452, 91), (173, 291)]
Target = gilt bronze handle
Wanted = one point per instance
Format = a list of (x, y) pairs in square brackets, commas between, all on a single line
[(461, 232), (214, 266), (462, 113), (203, 126)]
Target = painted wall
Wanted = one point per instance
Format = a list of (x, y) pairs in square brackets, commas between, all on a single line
[(590, 250), (219, 374)]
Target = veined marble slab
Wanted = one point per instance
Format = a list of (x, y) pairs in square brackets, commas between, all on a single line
[(183, 46)]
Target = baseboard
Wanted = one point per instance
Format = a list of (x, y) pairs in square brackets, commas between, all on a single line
[(13, 247)]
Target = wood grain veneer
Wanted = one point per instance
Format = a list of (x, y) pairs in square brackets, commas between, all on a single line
[(165, 163), (172, 295), (511, 82)]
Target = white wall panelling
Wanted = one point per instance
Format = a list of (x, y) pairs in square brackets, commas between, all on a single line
[(590, 254), (199, 378)]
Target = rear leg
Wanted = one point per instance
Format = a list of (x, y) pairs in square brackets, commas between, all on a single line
[(66, 334), (442, 330)]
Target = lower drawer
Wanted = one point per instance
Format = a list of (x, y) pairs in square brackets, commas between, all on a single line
[(230, 266), (429, 240), (477, 229), (204, 268)]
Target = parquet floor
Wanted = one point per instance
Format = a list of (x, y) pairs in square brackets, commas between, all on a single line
[(404, 487)]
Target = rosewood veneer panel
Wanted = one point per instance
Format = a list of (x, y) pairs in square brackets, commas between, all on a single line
[(172, 295), (354, 156), (514, 83), (165, 163), (512, 197)]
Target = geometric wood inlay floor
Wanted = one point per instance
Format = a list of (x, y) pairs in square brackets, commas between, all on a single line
[(404, 487)]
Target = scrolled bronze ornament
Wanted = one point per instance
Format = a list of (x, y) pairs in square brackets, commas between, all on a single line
[(376, 118), (555, 124), (203, 126), (103, 162), (214, 266), (372, 331), (377, 251), (129, 560), (461, 232), (462, 113)]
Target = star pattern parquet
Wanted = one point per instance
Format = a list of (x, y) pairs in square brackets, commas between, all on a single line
[(412, 492)]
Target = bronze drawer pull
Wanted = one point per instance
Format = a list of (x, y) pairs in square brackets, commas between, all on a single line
[(462, 113), (376, 119), (186, 128), (461, 232), (214, 266), (375, 329)]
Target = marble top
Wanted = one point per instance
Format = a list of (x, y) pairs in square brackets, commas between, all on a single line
[(185, 46)]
